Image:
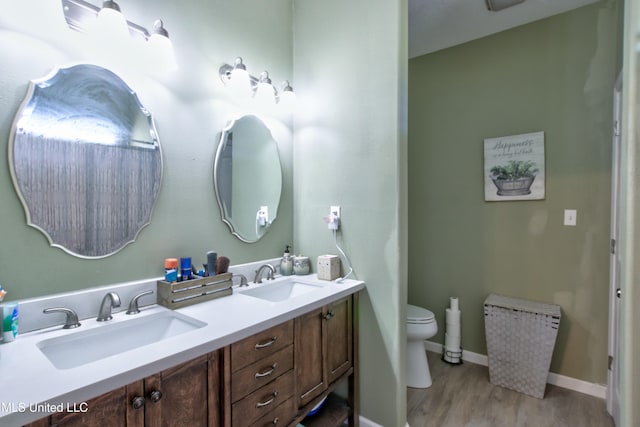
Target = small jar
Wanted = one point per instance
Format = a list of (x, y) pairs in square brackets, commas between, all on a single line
[(301, 265)]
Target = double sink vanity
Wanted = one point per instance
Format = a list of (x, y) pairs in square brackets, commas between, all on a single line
[(265, 355)]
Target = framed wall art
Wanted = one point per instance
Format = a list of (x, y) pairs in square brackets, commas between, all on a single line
[(514, 167)]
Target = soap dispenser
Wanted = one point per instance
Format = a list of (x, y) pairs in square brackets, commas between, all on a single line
[(286, 264)]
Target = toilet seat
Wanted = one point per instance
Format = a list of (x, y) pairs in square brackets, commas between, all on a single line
[(419, 315)]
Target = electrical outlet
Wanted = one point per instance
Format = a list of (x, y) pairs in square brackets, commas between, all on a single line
[(262, 217), (570, 217), (334, 217), (265, 212)]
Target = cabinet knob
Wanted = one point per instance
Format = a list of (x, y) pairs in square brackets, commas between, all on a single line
[(329, 315), (267, 402), (275, 421), (137, 402), (155, 396)]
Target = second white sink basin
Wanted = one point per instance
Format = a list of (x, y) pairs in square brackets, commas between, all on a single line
[(280, 291), (79, 348)]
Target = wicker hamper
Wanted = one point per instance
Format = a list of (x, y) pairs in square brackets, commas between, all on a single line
[(520, 335)]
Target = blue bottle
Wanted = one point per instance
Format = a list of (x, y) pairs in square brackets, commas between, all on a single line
[(185, 268)]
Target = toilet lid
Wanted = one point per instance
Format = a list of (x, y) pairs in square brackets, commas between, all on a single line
[(417, 314)]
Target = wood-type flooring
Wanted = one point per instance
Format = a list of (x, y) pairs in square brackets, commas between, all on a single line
[(462, 396)]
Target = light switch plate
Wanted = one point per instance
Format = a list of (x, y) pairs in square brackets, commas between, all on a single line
[(570, 217)]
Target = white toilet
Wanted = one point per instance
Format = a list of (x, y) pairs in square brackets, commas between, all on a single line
[(421, 325)]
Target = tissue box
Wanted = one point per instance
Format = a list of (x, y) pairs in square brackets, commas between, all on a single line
[(328, 267)]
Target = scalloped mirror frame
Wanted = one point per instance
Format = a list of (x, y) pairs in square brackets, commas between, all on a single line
[(85, 160), (247, 177)]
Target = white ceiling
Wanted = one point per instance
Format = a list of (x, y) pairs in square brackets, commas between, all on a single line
[(438, 24)]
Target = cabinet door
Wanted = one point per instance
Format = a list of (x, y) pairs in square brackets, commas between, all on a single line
[(310, 339), (185, 395), (339, 350), (112, 409)]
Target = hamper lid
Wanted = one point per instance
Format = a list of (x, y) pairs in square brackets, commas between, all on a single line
[(417, 314), (522, 305)]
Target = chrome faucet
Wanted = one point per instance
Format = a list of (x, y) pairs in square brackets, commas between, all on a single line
[(270, 273), (243, 280), (110, 300), (133, 305), (72, 317)]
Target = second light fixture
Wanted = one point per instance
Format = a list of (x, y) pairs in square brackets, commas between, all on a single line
[(261, 88)]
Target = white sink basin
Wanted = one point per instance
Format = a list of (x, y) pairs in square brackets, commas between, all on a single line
[(79, 348), (280, 291)]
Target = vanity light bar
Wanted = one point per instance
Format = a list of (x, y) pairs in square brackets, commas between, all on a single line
[(79, 13), (225, 75)]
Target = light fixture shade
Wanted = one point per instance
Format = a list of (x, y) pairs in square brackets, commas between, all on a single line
[(265, 92), (110, 23), (161, 48), (239, 80), (287, 96), (496, 5)]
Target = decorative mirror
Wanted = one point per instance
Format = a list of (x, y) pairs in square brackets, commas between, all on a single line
[(248, 178), (85, 160)]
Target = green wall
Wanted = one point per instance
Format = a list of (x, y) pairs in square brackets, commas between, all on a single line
[(350, 74), (190, 108), (350, 66), (557, 76)]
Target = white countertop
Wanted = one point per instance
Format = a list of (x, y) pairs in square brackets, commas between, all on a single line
[(29, 379)]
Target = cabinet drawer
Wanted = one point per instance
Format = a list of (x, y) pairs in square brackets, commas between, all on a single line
[(281, 416), (262, 401), (260, 345), (265, 370)]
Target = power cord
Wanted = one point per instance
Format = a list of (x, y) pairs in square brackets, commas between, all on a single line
[(344, 255)]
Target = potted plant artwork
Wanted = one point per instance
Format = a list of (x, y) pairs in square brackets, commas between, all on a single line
[(514, 167), (514, 178)]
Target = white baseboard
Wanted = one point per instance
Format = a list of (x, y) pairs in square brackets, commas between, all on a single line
[(364, 422), (597, 390)]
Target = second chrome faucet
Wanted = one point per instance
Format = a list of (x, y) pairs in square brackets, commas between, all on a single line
[(271, 271), (109, 301)]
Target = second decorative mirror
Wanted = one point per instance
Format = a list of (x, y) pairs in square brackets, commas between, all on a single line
[(248, 178)]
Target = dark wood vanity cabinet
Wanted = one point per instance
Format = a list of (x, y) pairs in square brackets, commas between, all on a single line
[(259, 377), (108, 410), (324, 348), (276, 376), (187, 394), (325, 353), (272, 378), (339, 350), (112, 409)]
